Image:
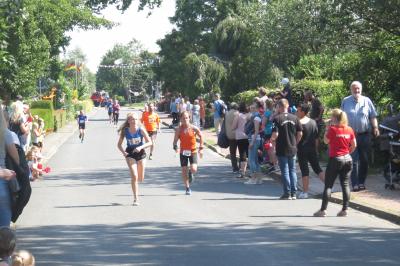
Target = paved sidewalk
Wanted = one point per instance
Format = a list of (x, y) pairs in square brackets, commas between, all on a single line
[(376, 200)]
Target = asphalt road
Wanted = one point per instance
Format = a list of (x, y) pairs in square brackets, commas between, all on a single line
[(81, 214)]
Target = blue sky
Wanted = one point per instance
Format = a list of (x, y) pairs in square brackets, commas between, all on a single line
[(132, 24)]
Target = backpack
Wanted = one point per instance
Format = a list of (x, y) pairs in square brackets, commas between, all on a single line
[(249, 126), (223, 140), (222, 108)]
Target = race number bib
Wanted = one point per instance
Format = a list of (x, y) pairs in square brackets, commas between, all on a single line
[(187, 153), (81, 121), (134, 141)]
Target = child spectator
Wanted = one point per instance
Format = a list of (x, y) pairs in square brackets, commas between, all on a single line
[(34, 162)]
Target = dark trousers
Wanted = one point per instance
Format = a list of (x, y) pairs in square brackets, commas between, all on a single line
[(337, 166), (232, 151), (360, 160), (175, 118)]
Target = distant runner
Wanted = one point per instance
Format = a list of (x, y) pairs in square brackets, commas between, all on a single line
[(137, 140), (82, 124), (109, 107), (116, 107), (186, 133), (151, 121)]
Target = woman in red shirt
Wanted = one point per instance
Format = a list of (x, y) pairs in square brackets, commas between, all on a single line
[(342, 142)]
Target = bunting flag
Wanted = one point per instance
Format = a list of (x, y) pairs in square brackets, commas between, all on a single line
[(70, 67)]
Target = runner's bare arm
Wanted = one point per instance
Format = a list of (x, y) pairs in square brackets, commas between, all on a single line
[(198, 133), (148, 140), (176, 137), (119, 145)]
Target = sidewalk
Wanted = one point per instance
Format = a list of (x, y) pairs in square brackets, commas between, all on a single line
[(376, 200)]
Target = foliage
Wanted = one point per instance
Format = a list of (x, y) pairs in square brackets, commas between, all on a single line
[(42, 104), (47, 115), (204, 73), (60, 119), (245, 96), (330, 93)]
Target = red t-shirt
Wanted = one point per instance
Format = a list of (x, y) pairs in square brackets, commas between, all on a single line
[(340, 138)]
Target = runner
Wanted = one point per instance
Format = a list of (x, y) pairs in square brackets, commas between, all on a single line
[(116, 107), (137, 140), (151, 121), (110, 110), (82, 124), (186, 133)]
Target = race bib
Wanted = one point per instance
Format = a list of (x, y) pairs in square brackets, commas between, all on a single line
[(187, 153), (134, 141), (82, 121), (151, 120)]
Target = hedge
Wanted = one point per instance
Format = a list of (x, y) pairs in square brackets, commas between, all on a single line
[(245, 96), (60, 119), (47, 115), (42, 104), (330, 93)]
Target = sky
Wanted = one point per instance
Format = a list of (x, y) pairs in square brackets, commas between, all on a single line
[(132, 24)]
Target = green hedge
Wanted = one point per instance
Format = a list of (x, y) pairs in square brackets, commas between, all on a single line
[(42, 104), (245, 96), (60, 119), (47, 115), (330, 93)]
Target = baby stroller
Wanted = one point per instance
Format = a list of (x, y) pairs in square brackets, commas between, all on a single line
[(390, 142)]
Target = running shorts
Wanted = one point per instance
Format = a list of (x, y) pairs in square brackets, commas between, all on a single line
[(186, 159), (152, 133), (137, 156), (81, 126)]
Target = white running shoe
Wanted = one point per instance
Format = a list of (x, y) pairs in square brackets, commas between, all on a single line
[(251, 181), (303, 195)]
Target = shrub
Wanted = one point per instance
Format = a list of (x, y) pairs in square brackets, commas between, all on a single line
[(42, 104), (245, 96), (60, 119), (330, 93), (47, 115)]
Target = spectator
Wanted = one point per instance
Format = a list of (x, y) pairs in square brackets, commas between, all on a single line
[(341, 140), (196, 113), (37, 132), (230, 133), (287, 91), (262, 93), (7, 245), (316, 112), (306, 149), (202, 104), (174, 112), (267, 126), (18, 123), (23, 258), (217, 109), (252, 129), (6, 145), (286, 132), (238, 125), (189, 107), (361, 115)]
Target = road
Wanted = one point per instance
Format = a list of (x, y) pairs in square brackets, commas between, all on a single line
[(82, 214)]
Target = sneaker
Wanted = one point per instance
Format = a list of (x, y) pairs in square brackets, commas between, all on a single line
[(320, 214), (150, 155), (188, 191), (135, 203), (235, 171), (285, 197), (303, 195), (294, 197), (240, 175), (190, 176), (251, 181), (80, 135), (342, 213)]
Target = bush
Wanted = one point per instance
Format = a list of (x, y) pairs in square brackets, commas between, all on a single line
[(330, 93), (86, 106), (42, 104), (245, 96), (48, 117)]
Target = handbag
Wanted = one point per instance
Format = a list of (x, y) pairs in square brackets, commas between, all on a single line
[(223, 140)]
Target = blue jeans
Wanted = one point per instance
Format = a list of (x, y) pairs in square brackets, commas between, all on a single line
[(360, 160), (253, 156), (288, 174), (5, 204)]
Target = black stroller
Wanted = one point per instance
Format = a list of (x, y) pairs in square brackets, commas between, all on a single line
[(390, 142)]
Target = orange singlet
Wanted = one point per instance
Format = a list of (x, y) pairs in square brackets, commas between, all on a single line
[(187, 138), (150, 121)]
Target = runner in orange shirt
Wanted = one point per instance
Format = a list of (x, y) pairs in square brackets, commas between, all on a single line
[(151, 122), (186, 134)]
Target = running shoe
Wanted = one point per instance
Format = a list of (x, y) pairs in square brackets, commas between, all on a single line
[(190, 176), (342, 213), (188, 191), (303, 195), (135, 203), (320, 214), (150, 155), (251, 181), (285, 197), (293, 196), (80, 135)]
